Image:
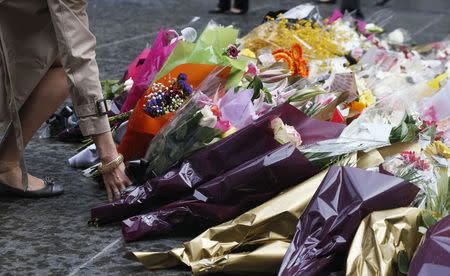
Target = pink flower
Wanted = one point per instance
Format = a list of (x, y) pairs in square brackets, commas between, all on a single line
[(357, 53), (361, 25), (336, 15), (430, 114), (421, 165), (223, 125), (411, 158), (252, 70)]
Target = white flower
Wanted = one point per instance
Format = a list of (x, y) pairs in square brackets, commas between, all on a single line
[(128, 84), (208, 118), (285, 133), (397, 37), (393, 165)]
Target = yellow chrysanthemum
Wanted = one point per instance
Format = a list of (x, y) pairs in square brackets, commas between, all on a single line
[(319, 42), (438, 148), (366, 98)]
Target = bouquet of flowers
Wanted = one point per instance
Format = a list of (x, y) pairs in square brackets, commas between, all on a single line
[(196, 125), (235, 191), (196, 60), (256, 139), (433, 254), (390, 234), (327, 226), (144, 69), (229, 194)]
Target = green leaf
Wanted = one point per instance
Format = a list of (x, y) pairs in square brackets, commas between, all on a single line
[(182, 132), (407, 131), (305, 94), (310, 110), (111, 88), (430, 132), (409, 119), (403, 262), (268, 96), (428, 219), (257, 86)]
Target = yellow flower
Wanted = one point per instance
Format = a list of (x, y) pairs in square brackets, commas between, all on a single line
[(320, 42), (435, 83), (438, 148), (366, 98), (248, 53)]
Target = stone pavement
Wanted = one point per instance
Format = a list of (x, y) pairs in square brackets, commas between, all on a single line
[(51, 236)]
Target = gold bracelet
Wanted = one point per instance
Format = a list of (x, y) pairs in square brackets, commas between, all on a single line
[(106, 168)]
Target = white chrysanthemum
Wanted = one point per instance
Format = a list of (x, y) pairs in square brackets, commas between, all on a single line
[(208, 118)]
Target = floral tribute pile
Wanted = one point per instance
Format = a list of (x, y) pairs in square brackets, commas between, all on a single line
[(309, 146)]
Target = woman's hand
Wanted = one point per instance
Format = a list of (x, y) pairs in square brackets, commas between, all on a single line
[(116, 180)]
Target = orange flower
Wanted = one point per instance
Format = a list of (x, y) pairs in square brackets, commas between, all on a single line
[(357, 106), (286, 56), (303, 68), (297, 52), (216, 111), (294, 58)]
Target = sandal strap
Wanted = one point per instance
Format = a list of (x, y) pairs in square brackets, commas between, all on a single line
[(49, 181)]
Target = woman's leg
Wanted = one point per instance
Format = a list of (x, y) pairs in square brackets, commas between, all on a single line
[(222, 6), (50, 93), (240, 7)]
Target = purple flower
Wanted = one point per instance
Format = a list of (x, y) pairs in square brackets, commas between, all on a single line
[(169, 99), (182, 76), (233, 51)]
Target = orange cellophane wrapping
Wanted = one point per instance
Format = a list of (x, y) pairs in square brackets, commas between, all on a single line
[(142, 128)]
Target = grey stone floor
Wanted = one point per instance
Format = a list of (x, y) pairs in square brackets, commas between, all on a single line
[(51, 236)]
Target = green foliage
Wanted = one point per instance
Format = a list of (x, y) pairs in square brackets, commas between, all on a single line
[(324, 160), (310, 109), (177, 141), (257, 86), (306, 94), (430, 132), (112, 88), (407, 131), (403, 262), (428, 219), (114, 122)]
